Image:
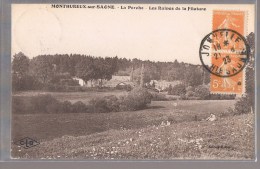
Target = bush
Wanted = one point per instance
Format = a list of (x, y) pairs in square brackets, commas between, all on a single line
[(222, 97), (99, 105), (173, 97), (79, 107), (69, 82), (183, 97), (190, 88), (178, 89), (66, 107), (193, 98), (190, 94), (243, 106), (25, 82), (137, 99), (113, 103), (158, 96), (53, 107), (202, 91), (124, 87), (34, 104), (104, 105), (44, 103)]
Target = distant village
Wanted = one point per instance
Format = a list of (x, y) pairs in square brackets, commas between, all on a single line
[(122, 82)]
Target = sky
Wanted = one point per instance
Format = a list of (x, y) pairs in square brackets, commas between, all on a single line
[(155, 35)]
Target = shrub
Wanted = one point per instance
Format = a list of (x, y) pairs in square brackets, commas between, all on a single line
[(66, 107), (46, 104), (222, 97), (190, 94), (190, 88), (137, 99), (183, 97), (79, 107), (42, 102), (35, 104), (173, 97), (243, 106), (158, 96), (106, 104), (54, 107), (25, 82), (202, 91), (69, 82), (124, 87), (113, 103), (178, 89), (99, 105)]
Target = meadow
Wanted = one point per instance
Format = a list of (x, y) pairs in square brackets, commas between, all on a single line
[(73, 97), (165, 130)]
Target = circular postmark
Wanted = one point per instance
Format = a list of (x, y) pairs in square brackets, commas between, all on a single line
[(224, 52)]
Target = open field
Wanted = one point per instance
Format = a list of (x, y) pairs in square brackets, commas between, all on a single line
[(139, 134), (49, 126), (186, 140)]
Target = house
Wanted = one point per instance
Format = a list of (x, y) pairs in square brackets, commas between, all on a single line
[(80, 81), (94, 83), (163, 84), (121, 78), (118, 80), (113, 82), (125, 85)]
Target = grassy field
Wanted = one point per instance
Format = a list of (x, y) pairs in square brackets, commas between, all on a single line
[(140, 134), (73, 97)]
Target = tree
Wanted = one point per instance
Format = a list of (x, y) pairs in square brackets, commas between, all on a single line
[(20, 64), (42, 68), (20, 68), (105, 68), (250, 71), (193, 76), (150, 72), (246, 103), (85, 69), (178, 89)]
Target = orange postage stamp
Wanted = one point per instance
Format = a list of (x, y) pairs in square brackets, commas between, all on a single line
[(224, 53)]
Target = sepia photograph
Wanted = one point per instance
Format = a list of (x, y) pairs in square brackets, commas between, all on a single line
[(133, 82)]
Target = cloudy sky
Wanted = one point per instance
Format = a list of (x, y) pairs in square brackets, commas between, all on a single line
[(145, 34)]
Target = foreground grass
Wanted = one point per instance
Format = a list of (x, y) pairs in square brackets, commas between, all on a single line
[(49, 126), (141, 134), (230, 137)]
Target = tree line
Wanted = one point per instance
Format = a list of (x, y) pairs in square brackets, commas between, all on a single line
[(51, 69)]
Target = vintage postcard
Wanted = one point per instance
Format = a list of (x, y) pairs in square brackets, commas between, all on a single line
[(133, 82)]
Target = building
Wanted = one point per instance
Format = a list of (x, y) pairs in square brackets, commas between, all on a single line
[(80, 81), (113, 82), (118, 80), (163, 84)]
